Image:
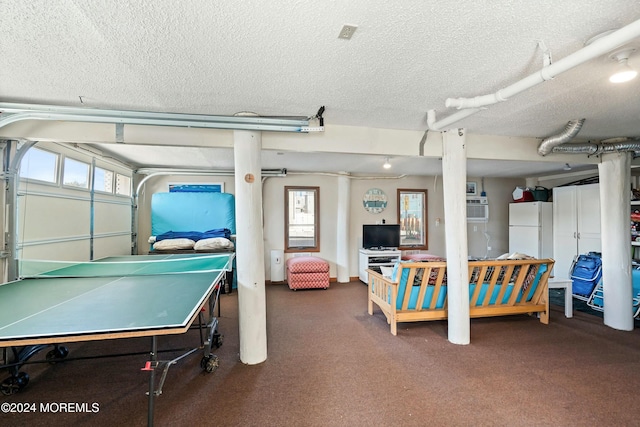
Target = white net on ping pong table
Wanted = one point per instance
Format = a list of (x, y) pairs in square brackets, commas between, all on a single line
[(124, 266)]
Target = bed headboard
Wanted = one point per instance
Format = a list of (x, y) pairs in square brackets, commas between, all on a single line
[(192, 212)]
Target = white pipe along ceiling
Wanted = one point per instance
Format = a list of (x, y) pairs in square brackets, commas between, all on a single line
[(598, 47)]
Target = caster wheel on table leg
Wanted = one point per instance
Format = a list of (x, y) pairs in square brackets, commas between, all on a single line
[(210, 364), (57, 354), (13, 385)]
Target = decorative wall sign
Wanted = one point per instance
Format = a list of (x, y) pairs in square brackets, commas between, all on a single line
[(374, 200)]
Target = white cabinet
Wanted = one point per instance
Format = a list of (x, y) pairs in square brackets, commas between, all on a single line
[(372, 259), (576, 224)]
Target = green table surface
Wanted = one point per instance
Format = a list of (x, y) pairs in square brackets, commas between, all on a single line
[(34, 309)]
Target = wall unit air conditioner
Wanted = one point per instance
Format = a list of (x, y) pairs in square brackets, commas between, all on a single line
[(477, 209)]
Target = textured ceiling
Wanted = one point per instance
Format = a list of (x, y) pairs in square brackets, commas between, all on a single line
[(285, 58)]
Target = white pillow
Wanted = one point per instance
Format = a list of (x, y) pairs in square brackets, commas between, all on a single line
[(173, 244), (213, 243), (518, 255), (386, 271)]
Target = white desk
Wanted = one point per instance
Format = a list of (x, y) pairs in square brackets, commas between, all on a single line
[(567, 285)]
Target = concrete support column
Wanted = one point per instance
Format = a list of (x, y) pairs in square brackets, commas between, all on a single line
[(454, 182), (342, 228), (615, 176), (250, 270)]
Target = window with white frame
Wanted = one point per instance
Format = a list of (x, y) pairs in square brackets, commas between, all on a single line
[(102, 180), (40, 165), (123, 185), (302, 226), (75, 173)]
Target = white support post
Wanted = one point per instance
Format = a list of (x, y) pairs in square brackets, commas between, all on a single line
[(615, 177), (250, 268), (454, 181), (342, 228)]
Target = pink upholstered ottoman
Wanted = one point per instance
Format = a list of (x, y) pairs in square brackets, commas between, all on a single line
[(307, 272)]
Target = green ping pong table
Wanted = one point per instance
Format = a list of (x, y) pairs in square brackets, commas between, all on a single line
[(57, 302)]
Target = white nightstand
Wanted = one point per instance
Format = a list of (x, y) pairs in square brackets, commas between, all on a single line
[(567, 285)]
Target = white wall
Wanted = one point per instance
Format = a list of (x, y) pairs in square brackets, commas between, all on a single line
[(498, 193), (273, 214)]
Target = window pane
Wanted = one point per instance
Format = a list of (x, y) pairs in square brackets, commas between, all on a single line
[(123, 185), (302, 218), (103, 180), (76, 174), (39, 164), (412, 217)]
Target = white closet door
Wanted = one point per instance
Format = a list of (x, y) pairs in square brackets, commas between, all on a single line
[(564, 230), (588, 198)]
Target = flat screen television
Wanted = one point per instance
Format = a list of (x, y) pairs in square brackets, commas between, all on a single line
[(380, 236)]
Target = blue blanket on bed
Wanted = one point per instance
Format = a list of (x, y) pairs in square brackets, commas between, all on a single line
[(195, 235)]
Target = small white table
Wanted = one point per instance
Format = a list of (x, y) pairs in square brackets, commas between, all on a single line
[(567, 285)]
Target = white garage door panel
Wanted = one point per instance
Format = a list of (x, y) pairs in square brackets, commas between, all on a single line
[(112, 217)]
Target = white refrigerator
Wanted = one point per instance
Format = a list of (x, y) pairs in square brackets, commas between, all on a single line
[(531, 228)]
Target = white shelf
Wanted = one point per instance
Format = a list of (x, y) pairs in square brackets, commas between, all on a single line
[(371, 258)]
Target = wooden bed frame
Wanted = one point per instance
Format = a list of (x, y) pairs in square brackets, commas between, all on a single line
[(495, 289)]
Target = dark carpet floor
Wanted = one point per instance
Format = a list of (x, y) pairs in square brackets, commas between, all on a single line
[(331, 364)]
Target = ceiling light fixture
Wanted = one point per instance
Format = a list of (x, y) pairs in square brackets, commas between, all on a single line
[(567, 167), (624, 72), (621, 55), (386, 164)]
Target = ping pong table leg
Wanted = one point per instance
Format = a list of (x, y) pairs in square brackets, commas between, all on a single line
[(152, 378)]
